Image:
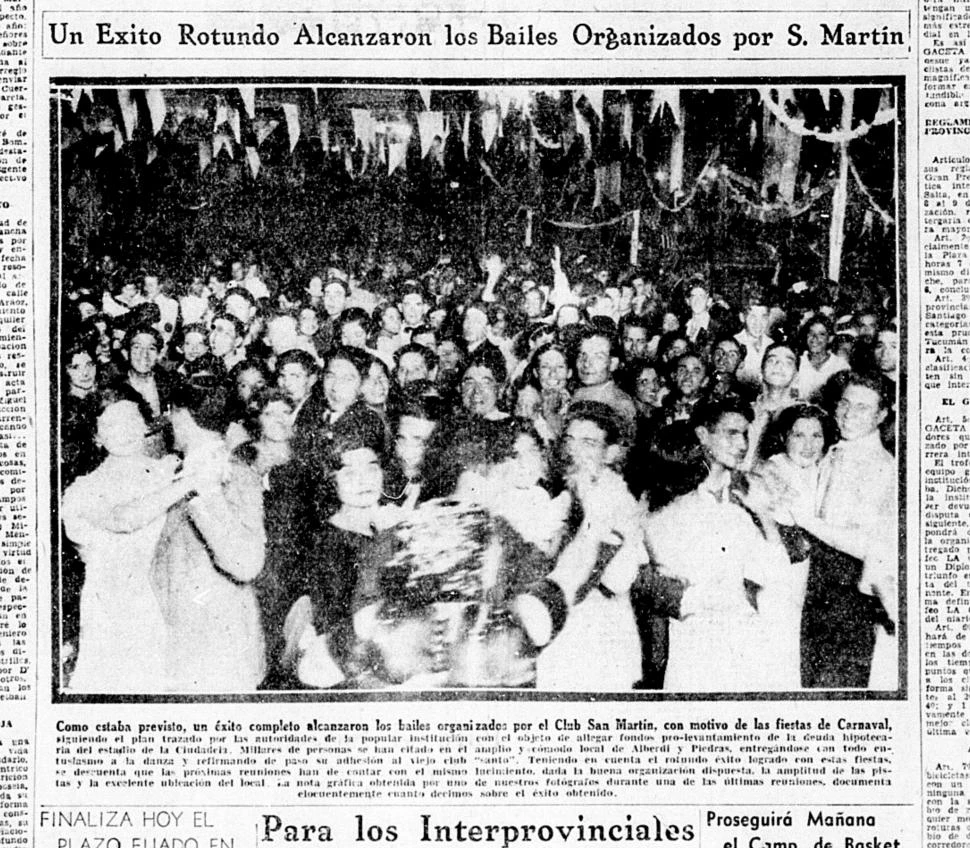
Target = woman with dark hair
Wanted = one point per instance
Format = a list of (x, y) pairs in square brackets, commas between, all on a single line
[(80, 406), (547, 375), (817, 361), (794, 446), (246, 379)]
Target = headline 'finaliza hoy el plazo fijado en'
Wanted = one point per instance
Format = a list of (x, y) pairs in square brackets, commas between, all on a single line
[(315, 34)]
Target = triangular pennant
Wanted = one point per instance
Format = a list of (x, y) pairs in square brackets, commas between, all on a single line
[(247, 94), (425, 93), (363, 126), (119, 140), (826, 95), (264, 129), (157, 110), (292, 114), (152, 153), (669, 96), (222, 112), (220, 142), (99, 150), (205, 156), (129, 111), (76, 98), (490, 124), (252, 156), (430, 125)]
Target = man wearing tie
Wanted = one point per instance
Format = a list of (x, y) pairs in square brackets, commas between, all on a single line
[(851, 603)]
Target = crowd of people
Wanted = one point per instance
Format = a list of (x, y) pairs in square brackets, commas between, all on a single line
[(555, 474)]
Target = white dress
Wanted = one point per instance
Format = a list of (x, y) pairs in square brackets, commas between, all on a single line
[(721, 643), (121, 647)]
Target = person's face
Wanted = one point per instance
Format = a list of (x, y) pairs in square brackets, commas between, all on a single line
[(391, 321), (341, 384), (122, 433), (413, 435), (249, 381), (500, 324), (334, 298), (727, 443), (352, 334), (528, 402), (309, 322), (585, 448), (152, 286), (670, 322), (82, 373), (128, 292), (887, 351), (448, 356), (726, 358), (238, 271), (193, 346), (276, 422), (779, 368), (626, 299), (86, 310), (553, 370), (411, 368), (526, 467), (359, 479), (479, 391), (296, 382), (858, 412), (222, 337), (868, 326), (690, 376), (104, 349), (376, 386), (634, 342), (817, 339), (567, 315), (143, 354), (413, 309), (532, 304), (474, 326), (648, 387), (593, 362), (281, 334), (698, 300), (237, 306), (805, 442), (756, 320)]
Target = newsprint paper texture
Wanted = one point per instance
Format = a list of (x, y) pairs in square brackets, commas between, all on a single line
[(487, 423)]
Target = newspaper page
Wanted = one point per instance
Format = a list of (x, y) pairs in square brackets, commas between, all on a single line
[(483, 424)]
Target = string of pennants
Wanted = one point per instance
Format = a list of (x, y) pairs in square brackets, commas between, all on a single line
[(237, 121)]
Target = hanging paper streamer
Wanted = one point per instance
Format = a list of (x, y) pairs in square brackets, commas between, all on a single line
[(247, 94), (234, 123), (613, 182), (840, 195), (292, 114), (205, 156), (363, 127), (595, 98), (626, 124), (119, 140), (528, 228), (466, 131), (129, 111), (490, 125), (323, 129), (635, 238), (157, 110), (430, 124), (252, 156)]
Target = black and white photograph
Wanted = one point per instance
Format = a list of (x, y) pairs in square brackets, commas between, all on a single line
[(540, 388)]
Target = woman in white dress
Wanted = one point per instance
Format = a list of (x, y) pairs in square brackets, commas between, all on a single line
[(115, 515)]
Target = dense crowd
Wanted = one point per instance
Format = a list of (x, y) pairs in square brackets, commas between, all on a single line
[(552, 474)]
